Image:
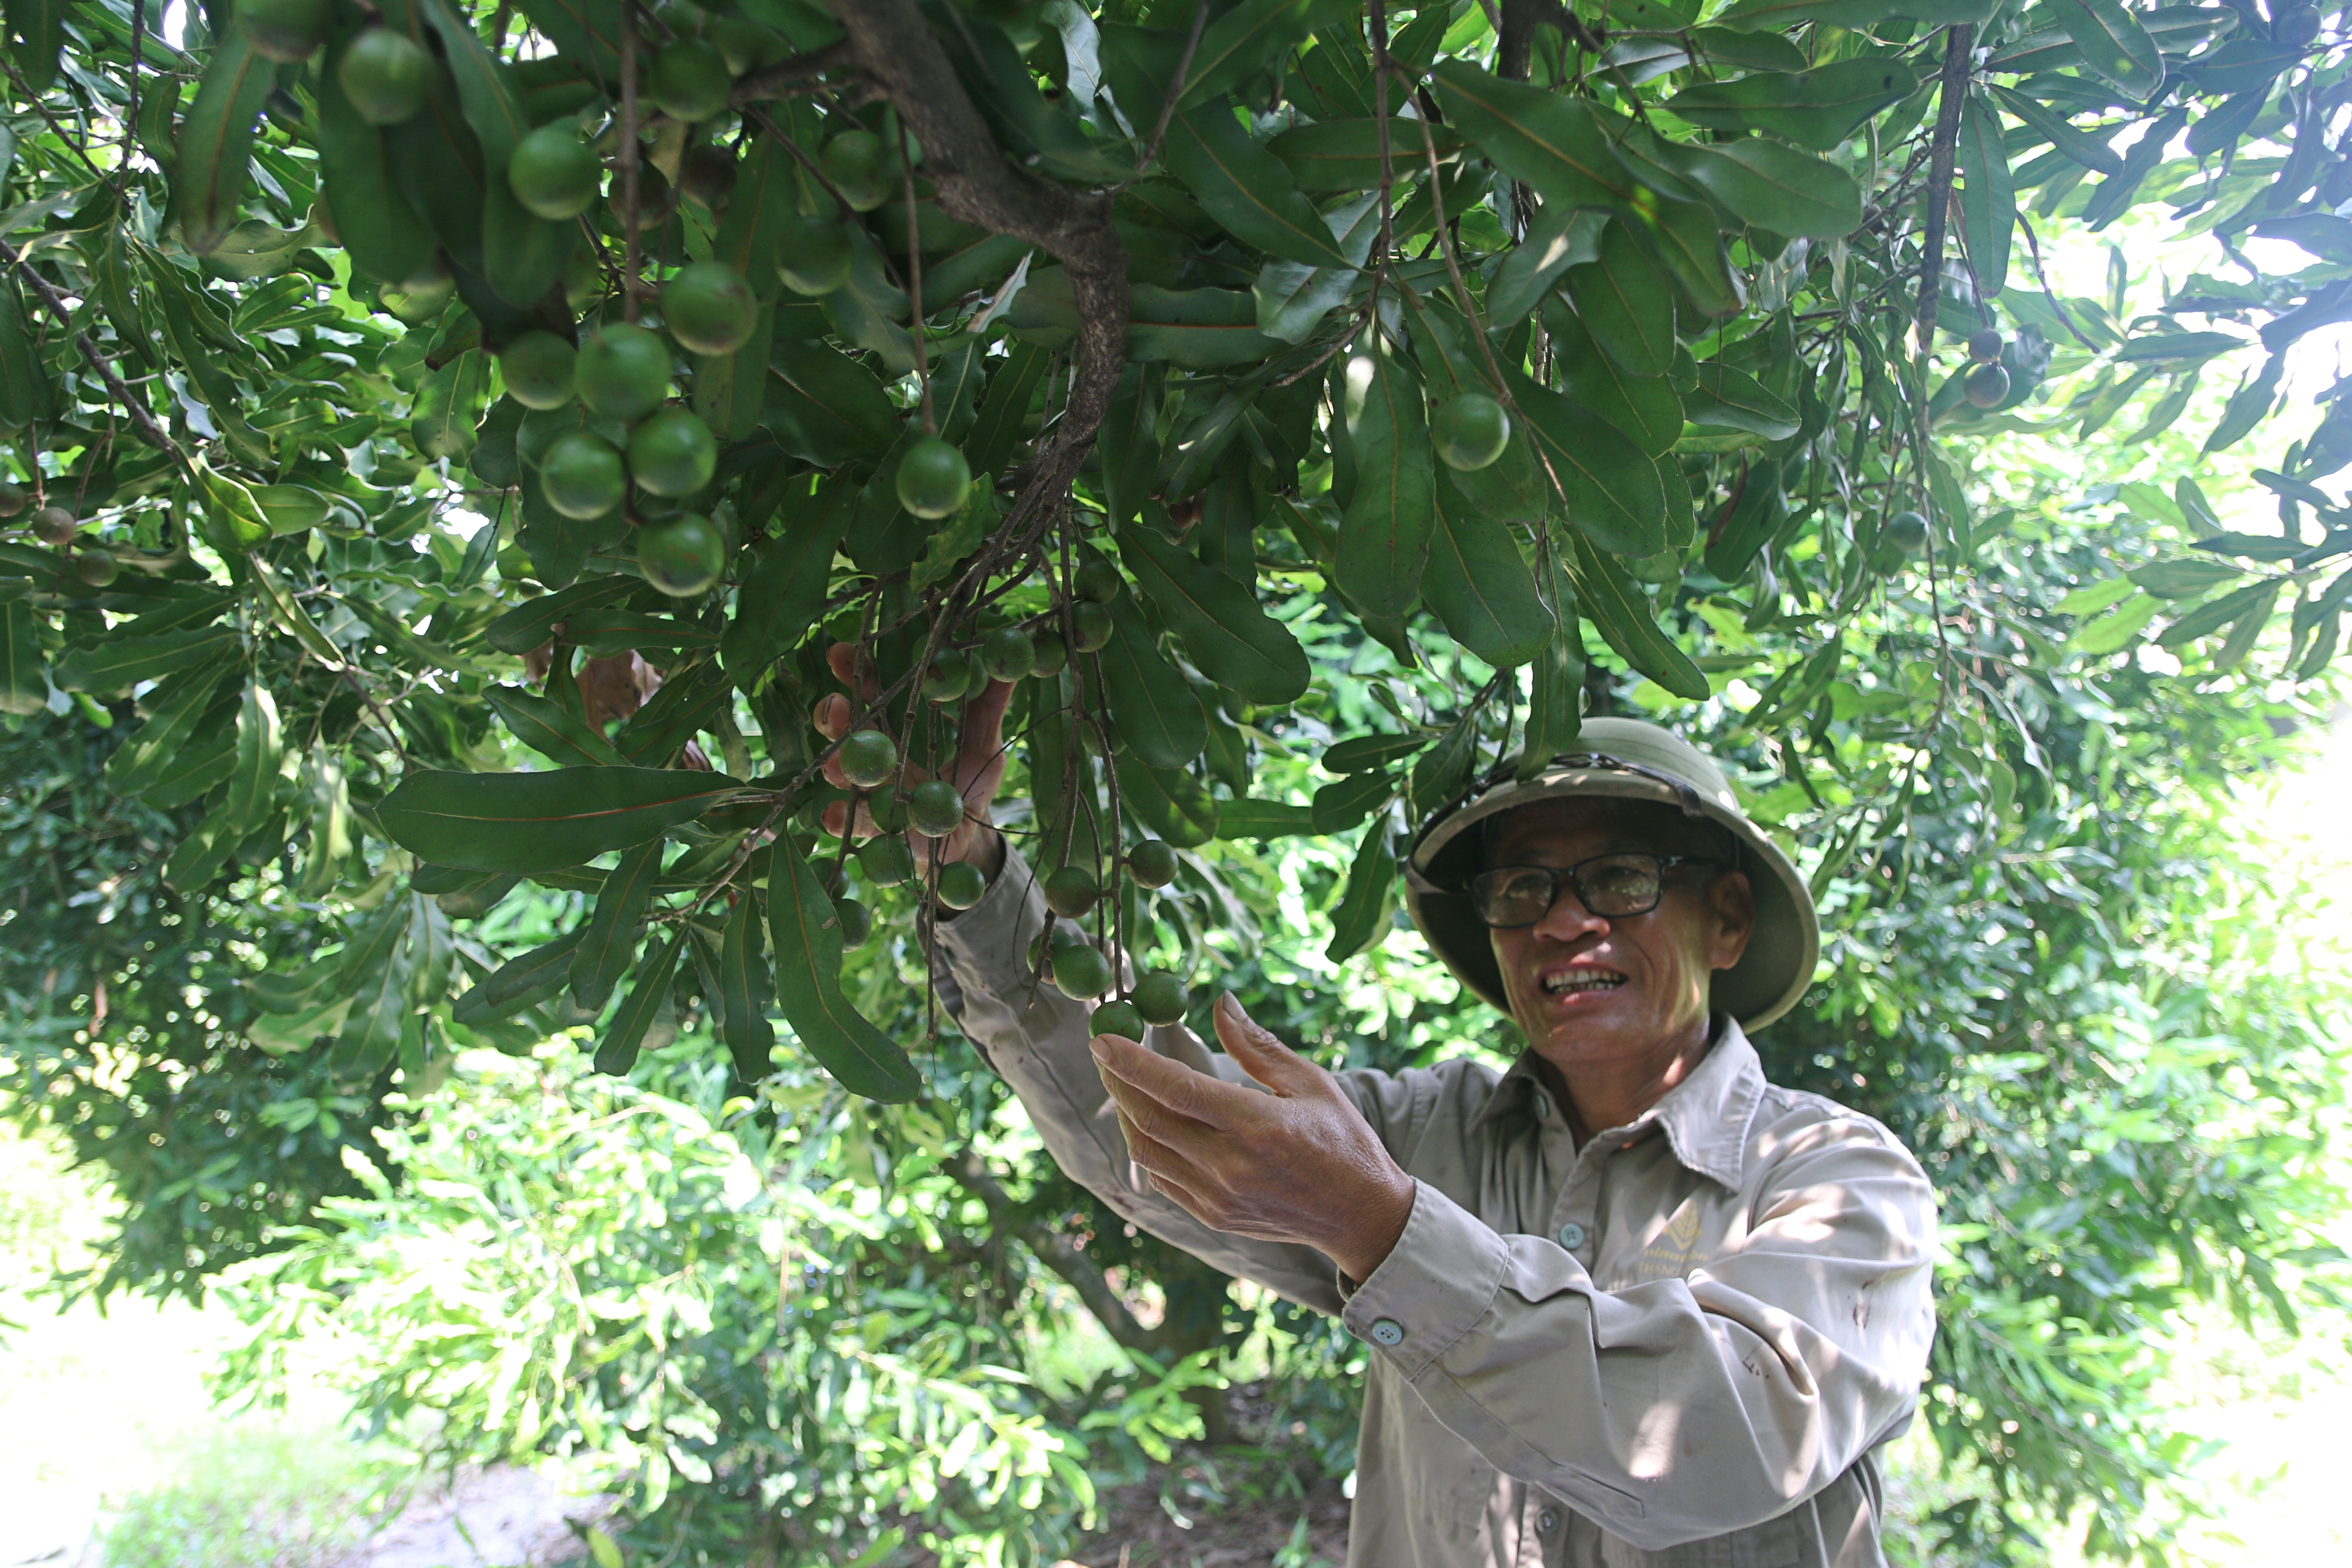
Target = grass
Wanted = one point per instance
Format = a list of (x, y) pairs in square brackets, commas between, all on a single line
[(250, 1497)]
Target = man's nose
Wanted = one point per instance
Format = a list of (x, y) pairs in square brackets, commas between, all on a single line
[(1568, 919)]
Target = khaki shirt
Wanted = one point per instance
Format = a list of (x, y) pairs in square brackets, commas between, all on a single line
[(1680, 1346)]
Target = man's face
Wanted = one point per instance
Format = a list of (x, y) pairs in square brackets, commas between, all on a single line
[(1592, 992)]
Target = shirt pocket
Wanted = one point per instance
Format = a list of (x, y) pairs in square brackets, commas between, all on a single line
[(1775, 1543)]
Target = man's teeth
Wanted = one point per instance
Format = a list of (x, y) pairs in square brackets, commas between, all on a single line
[(1595, 980)]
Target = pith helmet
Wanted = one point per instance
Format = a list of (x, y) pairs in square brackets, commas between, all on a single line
[(1629, 759)]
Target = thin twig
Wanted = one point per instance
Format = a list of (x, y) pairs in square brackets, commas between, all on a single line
[(1379, 21), (629, 151), (915, 281), (1175, 89), (43, 109), (145, 421)]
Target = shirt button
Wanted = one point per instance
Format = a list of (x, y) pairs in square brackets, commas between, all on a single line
[(1387, 1332), (1571, 1236), (1547, 1521), (1543, 1108)]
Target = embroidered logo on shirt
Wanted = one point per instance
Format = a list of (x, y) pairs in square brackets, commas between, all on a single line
[(1668, 1255)]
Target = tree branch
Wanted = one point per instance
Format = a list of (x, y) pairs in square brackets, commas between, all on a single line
[(1958, 43), (779, 79), (1056, 1252), (1515, 49), (977, 184)]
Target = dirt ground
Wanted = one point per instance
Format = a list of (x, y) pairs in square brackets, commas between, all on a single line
[(1140, 1532)]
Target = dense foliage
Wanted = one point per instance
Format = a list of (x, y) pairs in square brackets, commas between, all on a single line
[(428, 557)]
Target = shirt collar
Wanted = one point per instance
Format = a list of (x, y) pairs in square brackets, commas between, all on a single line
[(1705, 1118)]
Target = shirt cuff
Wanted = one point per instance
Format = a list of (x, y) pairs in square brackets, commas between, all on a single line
[(1441, 1277)]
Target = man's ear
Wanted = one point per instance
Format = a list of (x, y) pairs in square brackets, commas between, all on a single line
[(1732, 903)]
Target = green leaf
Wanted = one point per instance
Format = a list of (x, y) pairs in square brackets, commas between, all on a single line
[(22, 689), (1246, 188), (609, 941), (1561, 237), (1817, 109), (1556, 684), (1607, 485), (826, 407), (785, 586), (172, 710), (551, 730), (1480, 587), (532, 623), (995, 435), (2116, 629), (1441, 773), (1626, 303), (1363, 753), (1292, 297), (1551, 143), (1234, 641), (1734, 400), (1770, 185), (1242, 42), (522, 982), (1239, 819), (2113, 44), (2212, 615), (448, 404), (2248, 405), (1171, 802), (1344, 154), (116, 663), (1757, 15), (1364, 904), (260, 747), (1130, 442), (1618, 610), (1686, 239), (744, 989), (385, 235), (209, 177), (24, 380), (1339, 806), (1152, 707), (1384, 530), (2084, 147), (522, 254), (617, 1053), (804, 929), (2181, 579), (1643, 408), (528, 823), (232, 519)]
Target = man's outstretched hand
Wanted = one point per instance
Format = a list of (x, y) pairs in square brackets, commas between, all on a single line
[(1297, 1164)]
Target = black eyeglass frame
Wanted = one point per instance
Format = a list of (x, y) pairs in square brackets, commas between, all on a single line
[(1572, 876)]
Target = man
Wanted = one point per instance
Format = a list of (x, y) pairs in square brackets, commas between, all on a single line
[(1627, 1303)]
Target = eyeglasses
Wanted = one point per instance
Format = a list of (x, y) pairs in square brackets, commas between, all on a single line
[(1611, 886)]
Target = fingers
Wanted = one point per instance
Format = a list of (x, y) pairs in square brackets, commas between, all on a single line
[(1263, 1056), (851, 670), (832, 715), (1136, 1075)]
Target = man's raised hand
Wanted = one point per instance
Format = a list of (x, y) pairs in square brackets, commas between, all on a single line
[(977, 774)]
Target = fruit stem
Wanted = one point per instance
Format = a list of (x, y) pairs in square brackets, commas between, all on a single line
[(628, 152)]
